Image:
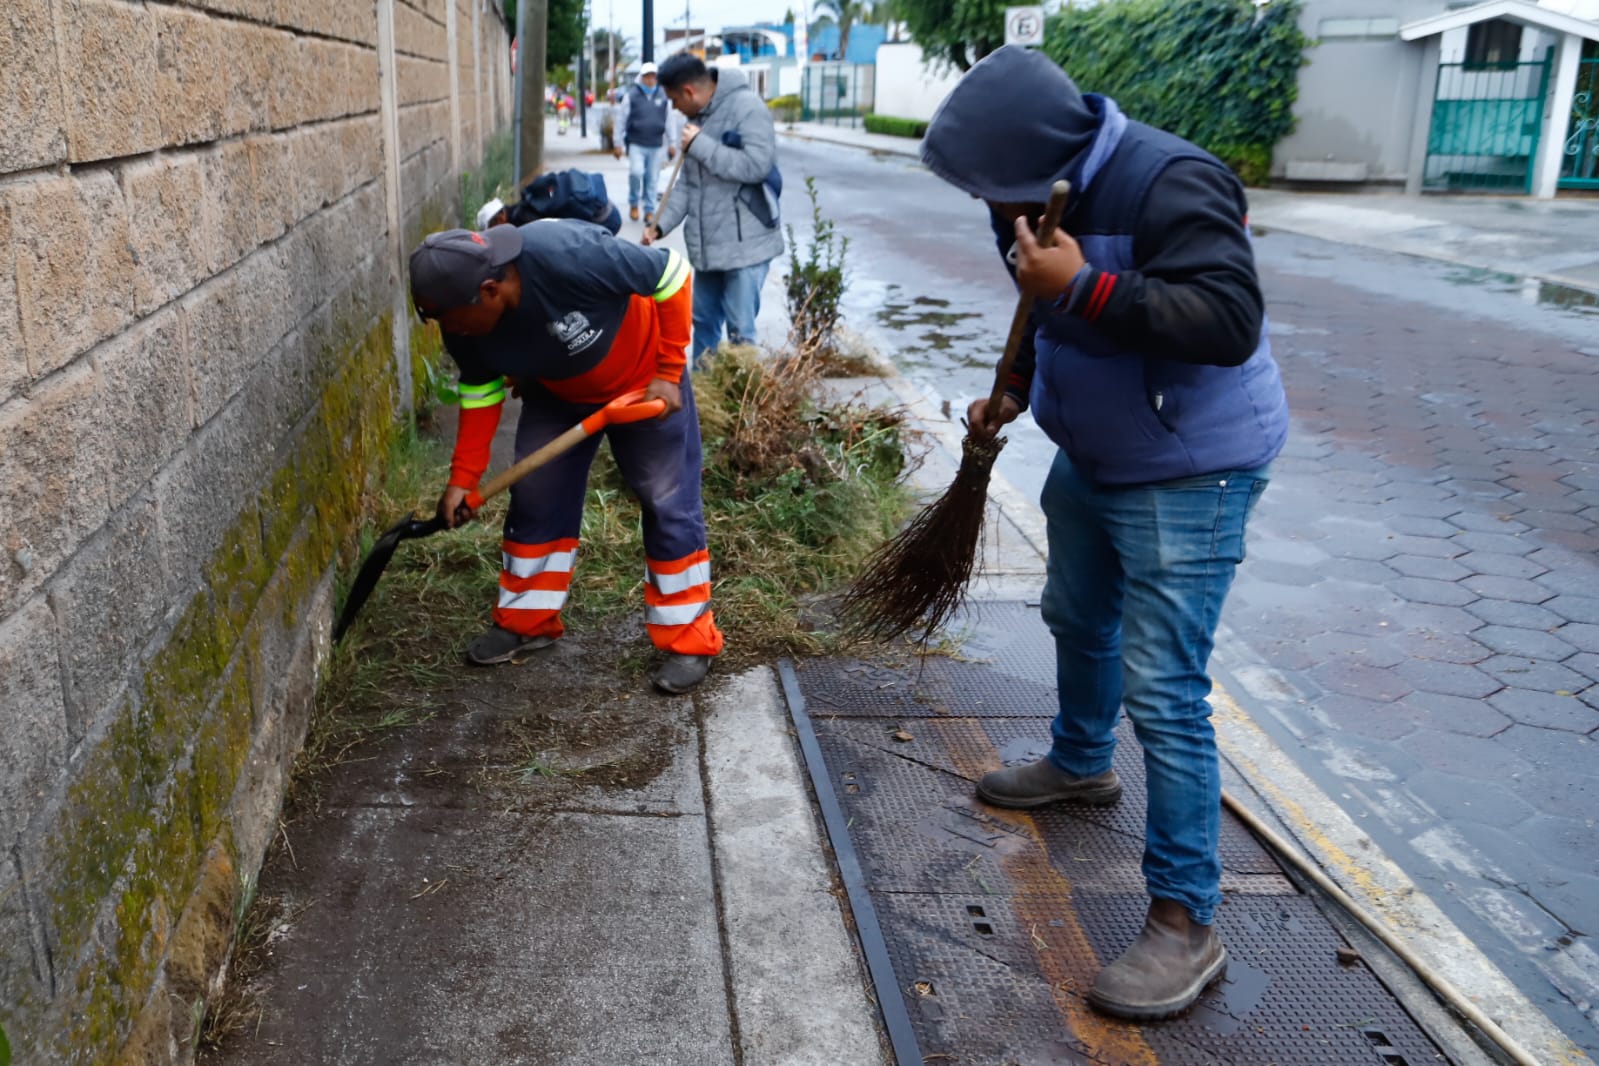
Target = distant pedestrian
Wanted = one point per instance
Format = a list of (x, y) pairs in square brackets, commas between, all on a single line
[(726, 199), (1151, 369), (644, 120)]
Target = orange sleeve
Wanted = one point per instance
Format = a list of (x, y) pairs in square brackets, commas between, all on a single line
[(675, 316), (473, 439)]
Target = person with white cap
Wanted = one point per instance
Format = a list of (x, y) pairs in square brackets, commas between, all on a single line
[(642, 121)]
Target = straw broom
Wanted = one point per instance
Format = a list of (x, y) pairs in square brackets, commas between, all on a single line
[(917, 581)]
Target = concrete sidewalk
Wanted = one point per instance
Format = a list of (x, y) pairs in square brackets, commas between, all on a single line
[(550, 864), (1548, 240), (853, 137)]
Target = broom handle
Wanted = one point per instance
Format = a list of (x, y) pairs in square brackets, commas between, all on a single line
[(682, 154), (1024, 305)]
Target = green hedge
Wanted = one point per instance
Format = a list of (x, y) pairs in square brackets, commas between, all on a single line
[(897, 127), (786, 108), (1221, 73)]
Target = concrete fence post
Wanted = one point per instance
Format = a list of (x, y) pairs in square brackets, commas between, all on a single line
[(388, 89)]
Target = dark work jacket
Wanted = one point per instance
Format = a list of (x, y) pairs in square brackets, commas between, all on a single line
[(1155, 363)]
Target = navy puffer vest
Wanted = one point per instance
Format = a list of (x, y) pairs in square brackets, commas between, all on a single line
[(1129, 417)]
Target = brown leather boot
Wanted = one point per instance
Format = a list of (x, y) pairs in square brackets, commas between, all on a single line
[(632, 212), (1173, 960), (1037, 783)]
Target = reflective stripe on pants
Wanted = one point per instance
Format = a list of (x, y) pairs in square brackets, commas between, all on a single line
[(677, 605), (660, 462), (534, 581)]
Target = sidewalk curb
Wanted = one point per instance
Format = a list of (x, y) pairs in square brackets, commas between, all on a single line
[(1284, 794), (907, 153), (796, 987), (1265, 225)]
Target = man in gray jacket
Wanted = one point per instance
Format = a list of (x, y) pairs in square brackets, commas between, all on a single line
[(725, 197)]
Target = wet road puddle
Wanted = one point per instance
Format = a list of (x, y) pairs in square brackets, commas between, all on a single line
[(931, 334), (1548, 294)]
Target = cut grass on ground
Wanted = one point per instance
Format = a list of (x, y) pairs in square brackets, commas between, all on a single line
[(797, 492)]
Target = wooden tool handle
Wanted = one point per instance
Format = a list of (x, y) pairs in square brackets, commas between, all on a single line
[(631, 407), (682, 154), (511, 475), (1024, 305)]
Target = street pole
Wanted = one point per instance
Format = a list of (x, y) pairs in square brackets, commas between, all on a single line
[(516, 91), (582, 97), (610, 47), (531, 23), (647, 43)]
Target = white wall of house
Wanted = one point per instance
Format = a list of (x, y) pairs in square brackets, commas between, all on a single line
[(1358, 94), (907, 87), (1365, 96), (790, 79)]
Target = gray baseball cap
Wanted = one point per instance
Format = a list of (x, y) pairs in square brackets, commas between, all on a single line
[(447, 268)]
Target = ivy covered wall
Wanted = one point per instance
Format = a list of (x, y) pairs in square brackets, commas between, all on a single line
[(1221, 73)]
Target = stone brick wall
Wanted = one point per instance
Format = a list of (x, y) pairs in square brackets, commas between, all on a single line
[(204, 352)]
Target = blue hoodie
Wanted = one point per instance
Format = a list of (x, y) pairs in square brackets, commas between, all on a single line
[(1155, 363)]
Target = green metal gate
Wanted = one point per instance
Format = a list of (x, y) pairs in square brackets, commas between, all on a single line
[(1486, 119), (1579, 163), (838, 93)]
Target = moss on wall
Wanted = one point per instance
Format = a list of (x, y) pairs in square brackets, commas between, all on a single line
[(152, 795)]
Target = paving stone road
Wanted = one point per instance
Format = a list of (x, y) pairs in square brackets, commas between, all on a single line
[(1424, 574)]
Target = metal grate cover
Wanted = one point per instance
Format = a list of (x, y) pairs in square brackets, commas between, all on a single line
[(996, 921)]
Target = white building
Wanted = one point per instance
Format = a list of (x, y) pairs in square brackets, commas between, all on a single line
[(1501, 95)]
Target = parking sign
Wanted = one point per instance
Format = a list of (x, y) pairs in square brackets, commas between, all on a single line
[(1024, 25)]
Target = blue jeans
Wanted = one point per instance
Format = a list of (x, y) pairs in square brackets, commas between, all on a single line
[(726, 297), (1137, 578), (643, 168)]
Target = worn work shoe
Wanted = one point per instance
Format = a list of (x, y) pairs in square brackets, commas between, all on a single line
[(681, 672), (1041, 782), (503, 646), (1173, 960), (632, 212)]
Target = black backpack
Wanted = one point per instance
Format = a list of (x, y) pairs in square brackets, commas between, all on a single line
[(575, 194), (751, 193)]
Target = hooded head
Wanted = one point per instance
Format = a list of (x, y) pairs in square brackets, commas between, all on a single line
[(1012, 126)]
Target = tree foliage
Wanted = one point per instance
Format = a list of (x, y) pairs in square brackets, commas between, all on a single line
[(955, 31), (564, 29), (1221, 73), (847, 13)]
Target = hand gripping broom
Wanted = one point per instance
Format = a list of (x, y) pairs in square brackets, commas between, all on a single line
[(917, 581)]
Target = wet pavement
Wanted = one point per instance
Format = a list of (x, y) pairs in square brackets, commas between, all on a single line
[(1423, 587)]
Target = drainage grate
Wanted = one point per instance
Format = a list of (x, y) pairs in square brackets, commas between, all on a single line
[(995, 922)]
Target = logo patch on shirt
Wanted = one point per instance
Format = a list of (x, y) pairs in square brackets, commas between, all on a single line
[(574, 331)]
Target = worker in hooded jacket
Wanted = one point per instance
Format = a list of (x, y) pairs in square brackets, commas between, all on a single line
[(1149, 367)]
